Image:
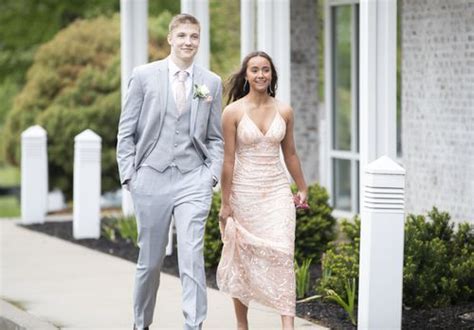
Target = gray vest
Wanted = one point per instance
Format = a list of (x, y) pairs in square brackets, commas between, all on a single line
[(174, 146)]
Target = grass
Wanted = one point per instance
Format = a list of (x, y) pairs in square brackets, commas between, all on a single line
[(9, 207), (9, 176)]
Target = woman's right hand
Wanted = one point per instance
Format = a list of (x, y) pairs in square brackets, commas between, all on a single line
[(225, 212)]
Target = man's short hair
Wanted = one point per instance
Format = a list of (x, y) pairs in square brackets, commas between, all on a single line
[(182, 19)]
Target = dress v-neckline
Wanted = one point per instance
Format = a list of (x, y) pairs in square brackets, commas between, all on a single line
[(258, 129)]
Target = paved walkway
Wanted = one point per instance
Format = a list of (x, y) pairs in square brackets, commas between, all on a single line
[(73, 287)]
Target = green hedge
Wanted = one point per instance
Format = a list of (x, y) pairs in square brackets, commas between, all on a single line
[(438, 261), (315, 228)]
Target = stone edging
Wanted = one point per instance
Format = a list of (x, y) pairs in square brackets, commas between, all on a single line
[(13, 318)]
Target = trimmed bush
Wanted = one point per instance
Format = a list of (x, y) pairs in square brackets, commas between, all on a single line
[(438, 261), (315, 228)]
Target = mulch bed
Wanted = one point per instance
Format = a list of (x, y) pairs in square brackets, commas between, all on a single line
[(319, 311)]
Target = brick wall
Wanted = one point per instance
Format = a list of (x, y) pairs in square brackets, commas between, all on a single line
[(438, 105), (304, 84)]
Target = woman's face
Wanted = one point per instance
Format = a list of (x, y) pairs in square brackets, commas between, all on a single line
[(259, 73)]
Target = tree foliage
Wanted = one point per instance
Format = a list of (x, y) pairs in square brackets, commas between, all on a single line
[(74, 84), (26, 24)]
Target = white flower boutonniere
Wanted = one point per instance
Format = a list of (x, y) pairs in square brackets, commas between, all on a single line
[(202, 92)]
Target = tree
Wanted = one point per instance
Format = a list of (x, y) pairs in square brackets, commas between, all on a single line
[(74, 84), (26, 24)]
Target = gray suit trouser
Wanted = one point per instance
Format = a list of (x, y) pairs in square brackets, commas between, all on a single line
[(156, 197)]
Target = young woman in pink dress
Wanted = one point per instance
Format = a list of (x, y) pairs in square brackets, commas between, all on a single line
[(257, 215)]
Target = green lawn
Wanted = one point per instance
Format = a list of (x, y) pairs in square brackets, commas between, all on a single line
[(9, 207), (9, 176)]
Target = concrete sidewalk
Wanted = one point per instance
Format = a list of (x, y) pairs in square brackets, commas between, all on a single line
[(73, 287)]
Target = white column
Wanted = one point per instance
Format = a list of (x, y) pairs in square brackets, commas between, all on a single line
[(381, 246), (282, 48), (273, 37), (34, 175), (200, 9), (187, 7), (87, 183), (377, 81), (247, 27), (265, 31), (134, 52)]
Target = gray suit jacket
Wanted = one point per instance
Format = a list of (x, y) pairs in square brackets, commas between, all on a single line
[(144, 111)]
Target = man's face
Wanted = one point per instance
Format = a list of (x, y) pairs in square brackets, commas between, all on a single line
[(184, 41)]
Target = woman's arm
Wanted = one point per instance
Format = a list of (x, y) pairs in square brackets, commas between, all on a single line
[(229, 129), (291, 158)]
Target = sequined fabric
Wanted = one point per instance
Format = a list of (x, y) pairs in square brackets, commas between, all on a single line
[(257, 257)]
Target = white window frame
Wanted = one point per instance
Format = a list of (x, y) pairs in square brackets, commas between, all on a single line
[(339, 154)]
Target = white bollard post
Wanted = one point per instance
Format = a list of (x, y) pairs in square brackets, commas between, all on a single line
[(87, 183), (34, 175), (381, 246)]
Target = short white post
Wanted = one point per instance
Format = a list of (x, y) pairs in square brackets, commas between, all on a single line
[(381, 246), (34, 175), (87, 183)]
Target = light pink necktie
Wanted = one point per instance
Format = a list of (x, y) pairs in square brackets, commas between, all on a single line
[(181, 91)]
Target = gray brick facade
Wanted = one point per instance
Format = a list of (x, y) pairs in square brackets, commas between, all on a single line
[(304, 84), (438, 105)]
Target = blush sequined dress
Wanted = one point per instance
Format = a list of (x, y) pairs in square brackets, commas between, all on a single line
[(257, 257)]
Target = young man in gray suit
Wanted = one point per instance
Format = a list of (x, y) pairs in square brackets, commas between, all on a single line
[(169, 154)]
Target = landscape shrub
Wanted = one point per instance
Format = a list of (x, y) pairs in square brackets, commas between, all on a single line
[(340, 263), (315, 227), (302, 276), (438, 261)]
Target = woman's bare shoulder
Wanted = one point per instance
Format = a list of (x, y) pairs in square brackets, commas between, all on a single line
[(233, 111), (286, 111)]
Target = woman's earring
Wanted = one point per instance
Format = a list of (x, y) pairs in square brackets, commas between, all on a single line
[(246, 84)]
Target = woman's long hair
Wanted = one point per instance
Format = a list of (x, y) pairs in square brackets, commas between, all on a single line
[(237, 86)]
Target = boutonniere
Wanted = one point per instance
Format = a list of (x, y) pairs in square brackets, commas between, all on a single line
[(202, 92)]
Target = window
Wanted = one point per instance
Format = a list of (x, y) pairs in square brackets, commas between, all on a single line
[(342, 31)]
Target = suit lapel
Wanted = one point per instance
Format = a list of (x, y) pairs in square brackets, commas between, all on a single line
[(163, 86), (197, 80)]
